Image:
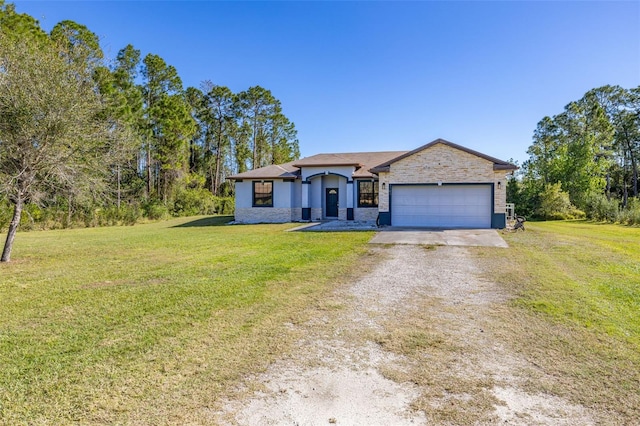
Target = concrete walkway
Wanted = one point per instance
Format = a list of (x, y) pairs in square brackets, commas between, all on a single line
[(440, 237)]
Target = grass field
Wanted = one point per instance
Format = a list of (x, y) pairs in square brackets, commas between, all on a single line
[(576, 311), (148, 324), (153, 324)]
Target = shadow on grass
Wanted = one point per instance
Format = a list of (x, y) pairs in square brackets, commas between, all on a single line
[(207, 221)]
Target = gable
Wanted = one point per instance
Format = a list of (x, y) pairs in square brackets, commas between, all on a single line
[(442, 162), (496, 164)]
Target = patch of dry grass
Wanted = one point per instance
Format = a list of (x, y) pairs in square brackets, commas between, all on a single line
[(438, 360)]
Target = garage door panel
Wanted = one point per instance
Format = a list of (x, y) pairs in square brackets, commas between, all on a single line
[(442, 206), (458, 210)]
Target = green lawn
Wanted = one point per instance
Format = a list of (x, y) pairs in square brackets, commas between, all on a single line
[(148, 324), (151, 324), (583, 273), (576, 311)]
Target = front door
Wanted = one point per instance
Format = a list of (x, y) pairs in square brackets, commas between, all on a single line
[(331, 202)]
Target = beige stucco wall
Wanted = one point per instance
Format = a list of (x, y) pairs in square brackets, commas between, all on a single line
[(442, 163)]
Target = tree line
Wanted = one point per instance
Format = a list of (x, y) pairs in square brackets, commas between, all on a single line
[(584, 161), (85, 140)]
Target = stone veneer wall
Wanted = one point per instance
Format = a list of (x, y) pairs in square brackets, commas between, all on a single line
[(296, 214), (316, 214), (263, 215), (442, 163), (365, 214)]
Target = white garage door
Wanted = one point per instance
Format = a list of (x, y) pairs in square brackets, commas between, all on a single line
[(446, 206)]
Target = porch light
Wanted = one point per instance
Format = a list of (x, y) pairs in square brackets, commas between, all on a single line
[(499, 185), (384, 185)]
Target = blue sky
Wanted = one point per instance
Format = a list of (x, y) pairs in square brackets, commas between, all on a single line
[(374, 76)]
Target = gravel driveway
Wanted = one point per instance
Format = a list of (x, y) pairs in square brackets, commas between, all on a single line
[(342, 373)]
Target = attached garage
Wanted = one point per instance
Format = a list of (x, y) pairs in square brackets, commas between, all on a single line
[(443, 185), (442, 206)]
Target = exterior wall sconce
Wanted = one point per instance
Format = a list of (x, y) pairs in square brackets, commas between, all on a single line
[(499, 185), (384, 185)]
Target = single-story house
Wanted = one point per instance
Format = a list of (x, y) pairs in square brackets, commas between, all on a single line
[(440, 184)]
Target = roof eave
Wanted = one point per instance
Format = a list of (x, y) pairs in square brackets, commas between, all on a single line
[(379, 169), (300, 165), (505, 167), (246, 175), (261, 177)]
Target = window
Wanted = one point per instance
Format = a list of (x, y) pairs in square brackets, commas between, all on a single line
[(263, 194), (367, 193)]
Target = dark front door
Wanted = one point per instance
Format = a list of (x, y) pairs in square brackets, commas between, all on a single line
[(331, 201)]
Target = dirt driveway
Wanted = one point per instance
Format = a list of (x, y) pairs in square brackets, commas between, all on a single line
[(411, 342)]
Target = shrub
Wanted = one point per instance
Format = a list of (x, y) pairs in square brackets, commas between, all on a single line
[(32, 217), (225, 205), (226, 189), (555, 204), (192, 198), (602, 209), (193, 201), (130, 214), (112, 215), (631, 213), (154, 209)]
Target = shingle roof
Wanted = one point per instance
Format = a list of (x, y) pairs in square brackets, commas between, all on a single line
[(275, 171), (497, 164), (328, 160), (367, 164), (363, 161)]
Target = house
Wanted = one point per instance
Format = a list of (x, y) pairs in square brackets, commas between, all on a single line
[(440, 184)]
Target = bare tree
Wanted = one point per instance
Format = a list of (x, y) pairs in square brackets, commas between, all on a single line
[(53, 138)]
